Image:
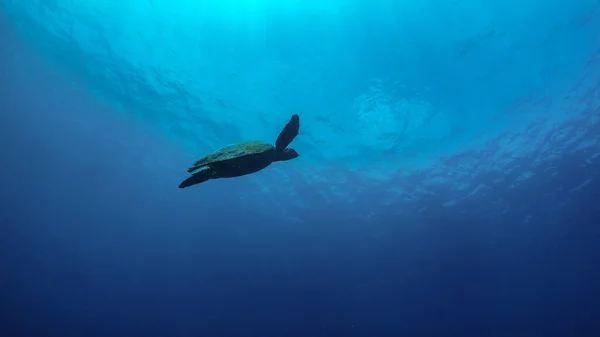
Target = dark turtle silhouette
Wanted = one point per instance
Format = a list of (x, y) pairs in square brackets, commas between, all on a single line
[(244, 158)]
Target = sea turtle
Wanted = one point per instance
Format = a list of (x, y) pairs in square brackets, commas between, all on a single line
[(244, 158)]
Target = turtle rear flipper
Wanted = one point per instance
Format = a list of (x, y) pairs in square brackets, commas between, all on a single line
[(289, 132), (193, 168), (198, 178)]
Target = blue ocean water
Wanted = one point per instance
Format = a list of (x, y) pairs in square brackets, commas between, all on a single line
[(447, 184)]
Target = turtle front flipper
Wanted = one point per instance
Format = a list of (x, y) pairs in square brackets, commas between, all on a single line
[(289, 132)]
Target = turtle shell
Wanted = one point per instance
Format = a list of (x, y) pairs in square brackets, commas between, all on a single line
[(236, 151)]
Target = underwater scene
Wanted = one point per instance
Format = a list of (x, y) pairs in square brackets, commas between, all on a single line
[(299, 168)]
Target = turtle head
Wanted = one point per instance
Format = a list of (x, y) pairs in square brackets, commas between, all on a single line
[(286, 154)]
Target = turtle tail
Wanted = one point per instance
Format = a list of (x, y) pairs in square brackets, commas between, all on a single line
[(197, 178)]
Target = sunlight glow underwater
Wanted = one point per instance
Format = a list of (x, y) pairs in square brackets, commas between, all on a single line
[(400, 95)]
